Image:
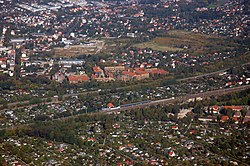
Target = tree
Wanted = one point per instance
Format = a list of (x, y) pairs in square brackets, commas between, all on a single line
[(42, 118), (35, 101), (229, 113)]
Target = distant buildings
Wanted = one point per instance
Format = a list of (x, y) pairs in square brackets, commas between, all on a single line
[(74, 79)]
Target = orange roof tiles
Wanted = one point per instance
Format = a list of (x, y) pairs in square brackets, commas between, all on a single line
[(215, 107), (131, 74), (3, 59), (236, 119), (233, 107), (159, 71), (96, 69), (110, 105), (224, 118), (111, 75), (78, 78), (140, 72)]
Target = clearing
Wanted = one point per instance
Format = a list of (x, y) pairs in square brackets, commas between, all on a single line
[(196, 43), (88, 48), (106, 46)]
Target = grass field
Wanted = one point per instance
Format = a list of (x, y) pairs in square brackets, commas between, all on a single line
[(113, 46), (217, 3), (195, 43)]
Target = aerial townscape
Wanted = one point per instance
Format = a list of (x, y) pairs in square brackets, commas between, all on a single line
[(124, 82)]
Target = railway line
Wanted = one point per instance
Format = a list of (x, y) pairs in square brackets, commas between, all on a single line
[(179, 99), (144, 104)]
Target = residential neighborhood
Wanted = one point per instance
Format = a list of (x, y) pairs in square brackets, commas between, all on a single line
[(124, 82)]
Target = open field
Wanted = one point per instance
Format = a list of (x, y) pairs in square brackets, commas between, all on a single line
[(113, 45), (195, 43), (103, 46), (217, 3), (90, 48)]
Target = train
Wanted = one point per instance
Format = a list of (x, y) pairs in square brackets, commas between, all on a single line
[(127, 105), (135, 104)]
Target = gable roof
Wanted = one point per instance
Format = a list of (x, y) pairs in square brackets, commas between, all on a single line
[(140, 71), (131, 74), (78, 78), (233, 107), (224, 118), (97, 69), (110, 105), (3, 59)]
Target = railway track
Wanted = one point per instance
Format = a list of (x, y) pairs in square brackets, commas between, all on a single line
[(179, 99), (148, 103)]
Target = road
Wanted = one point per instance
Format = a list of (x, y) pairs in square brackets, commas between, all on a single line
[(203, 75), (14, 104), (156, 102)]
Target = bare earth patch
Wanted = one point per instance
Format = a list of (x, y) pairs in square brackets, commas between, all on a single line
[(89, 48)]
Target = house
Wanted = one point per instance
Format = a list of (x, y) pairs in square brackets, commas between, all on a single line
[(3, 60), (101, 79), (247, 117), (192, 132), (229, 84), (71, 62), (110, 75), (92, 139), (183, 113), (215, 109), (114, 69), (59, 77), (156, 71), (74, 79), (235, 119), (174, 127), (207, 119), (234, 108), (171, 153), (237, 114), (224, 118), (98, 71), (110, 105), (127, 75), (131, 35), (141, 74), (116, 126)]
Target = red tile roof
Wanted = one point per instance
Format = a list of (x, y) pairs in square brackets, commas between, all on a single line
[(141, 72), (159, 71), (111, 75), (110, 105), (3, 59), (224, 118), (215, 107), (91, 139), (192, 131), (78, 78), (174, 127), (236, 119), (233, 107), (96, 69), (131, 74)]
